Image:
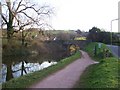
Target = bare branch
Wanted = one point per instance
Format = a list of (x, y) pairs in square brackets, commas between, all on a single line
[(4, 5), (4, 18), (14, 4), (18, 6), (26, 8), (9, 5), (46, 13), (26, 24), (28, 16)]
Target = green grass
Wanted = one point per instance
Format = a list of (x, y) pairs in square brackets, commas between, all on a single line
[(29, 79), (100, 51), (102, 75)]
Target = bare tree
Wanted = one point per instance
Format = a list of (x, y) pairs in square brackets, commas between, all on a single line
[(22, 13)]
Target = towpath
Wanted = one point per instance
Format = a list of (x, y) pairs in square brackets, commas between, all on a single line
[(67, 77)]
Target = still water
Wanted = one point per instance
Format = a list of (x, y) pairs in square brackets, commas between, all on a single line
[(19, 66), (23, 68)]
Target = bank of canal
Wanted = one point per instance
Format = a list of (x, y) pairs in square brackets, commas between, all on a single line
[(39, 75)]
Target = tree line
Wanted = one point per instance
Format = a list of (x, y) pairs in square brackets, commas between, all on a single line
[(97, 35)]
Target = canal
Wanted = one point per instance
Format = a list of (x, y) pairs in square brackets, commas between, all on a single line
[(14, 67)]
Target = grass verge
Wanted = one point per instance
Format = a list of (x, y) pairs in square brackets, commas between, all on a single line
[(102, 75), (27, 80), (99, 51)]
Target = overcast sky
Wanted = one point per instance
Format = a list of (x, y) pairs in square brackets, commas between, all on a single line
[(84, 14)]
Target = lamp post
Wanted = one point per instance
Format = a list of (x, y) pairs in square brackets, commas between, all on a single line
[(111, 27)]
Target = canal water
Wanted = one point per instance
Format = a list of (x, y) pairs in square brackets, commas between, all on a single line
[(14, 67)]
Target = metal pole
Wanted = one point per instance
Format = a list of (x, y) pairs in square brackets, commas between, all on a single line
[(111, 32), (111, 28)]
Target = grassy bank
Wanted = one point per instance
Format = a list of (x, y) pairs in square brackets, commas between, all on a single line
[(102, 75), (99, 51), (27, 80)]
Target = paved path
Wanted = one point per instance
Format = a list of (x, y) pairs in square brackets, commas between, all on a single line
[(115, 50), (67, 77)]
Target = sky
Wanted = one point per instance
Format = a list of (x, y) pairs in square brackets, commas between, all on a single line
[(84, 14)]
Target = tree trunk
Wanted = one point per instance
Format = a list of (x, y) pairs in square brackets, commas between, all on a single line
[(9, 74), (23, 39), (10, 29)]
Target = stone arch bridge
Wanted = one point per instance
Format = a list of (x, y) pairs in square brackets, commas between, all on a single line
[(66, 43)]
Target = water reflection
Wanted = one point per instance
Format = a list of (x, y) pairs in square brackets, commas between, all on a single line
[(19, 66), (22, 68)]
